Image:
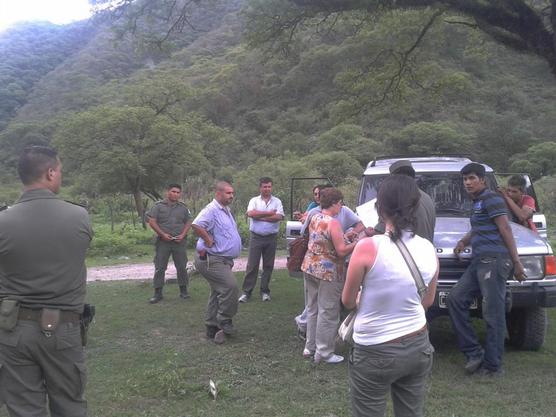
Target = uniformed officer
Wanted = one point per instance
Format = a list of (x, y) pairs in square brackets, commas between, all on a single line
[(171, 220), (43, 242)]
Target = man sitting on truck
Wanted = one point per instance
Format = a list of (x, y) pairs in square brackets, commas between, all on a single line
[(494, 260), (521, 205)]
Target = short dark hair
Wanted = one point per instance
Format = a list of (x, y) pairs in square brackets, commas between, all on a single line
[(173, 185), (517, 181), (265, 180), (220, 185), (35, 161), (330, 196), (397, 200), (474, 168)]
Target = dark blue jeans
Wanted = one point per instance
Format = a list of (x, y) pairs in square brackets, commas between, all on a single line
[(486, 277)]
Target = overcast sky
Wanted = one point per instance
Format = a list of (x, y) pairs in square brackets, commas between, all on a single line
[(55, 11)]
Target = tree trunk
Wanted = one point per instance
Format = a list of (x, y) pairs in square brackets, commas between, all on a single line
[(140, 207)]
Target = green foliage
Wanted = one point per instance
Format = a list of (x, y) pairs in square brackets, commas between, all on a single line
[(427, 137), (125, 240), (10, 191), (545, 189), (30, 51), (17, 136), (350, 139), (130, 118), (537, 161), (127, 149), (281, 170), (338, 165)]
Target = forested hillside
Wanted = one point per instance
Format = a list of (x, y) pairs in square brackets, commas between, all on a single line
[(215, 102)]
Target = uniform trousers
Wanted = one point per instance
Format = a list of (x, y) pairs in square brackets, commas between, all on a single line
[(35, 365), (223, 299), (163, 250)]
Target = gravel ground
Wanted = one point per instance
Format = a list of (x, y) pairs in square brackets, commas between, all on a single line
[(146, 271)]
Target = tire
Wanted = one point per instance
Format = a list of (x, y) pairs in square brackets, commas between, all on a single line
[(527, 327)]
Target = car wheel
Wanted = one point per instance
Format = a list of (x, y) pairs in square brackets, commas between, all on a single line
[(527, 327)]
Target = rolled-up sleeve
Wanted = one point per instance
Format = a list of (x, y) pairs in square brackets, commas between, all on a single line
[(204, 219)]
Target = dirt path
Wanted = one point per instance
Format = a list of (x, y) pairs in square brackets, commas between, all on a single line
[(145, 271)]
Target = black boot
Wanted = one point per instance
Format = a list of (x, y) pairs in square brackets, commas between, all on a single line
[(183, 292), (157, 296), (211, 331)]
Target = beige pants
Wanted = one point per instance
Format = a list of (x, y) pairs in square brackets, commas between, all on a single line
[(222, 304), (323, 315)]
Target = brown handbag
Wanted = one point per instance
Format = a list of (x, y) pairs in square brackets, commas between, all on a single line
[(298, 248)]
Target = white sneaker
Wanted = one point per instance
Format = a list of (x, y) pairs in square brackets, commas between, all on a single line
[(243, 298), (331, 360), (266, 297), (307, 354)]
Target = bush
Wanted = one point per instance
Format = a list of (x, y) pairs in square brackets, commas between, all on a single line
[(125, 240)]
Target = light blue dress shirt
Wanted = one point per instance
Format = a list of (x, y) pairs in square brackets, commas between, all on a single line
[(346, 217), (218, 221)]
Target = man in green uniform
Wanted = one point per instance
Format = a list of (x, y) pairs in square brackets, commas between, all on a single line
[(171, 220), (43, 242)]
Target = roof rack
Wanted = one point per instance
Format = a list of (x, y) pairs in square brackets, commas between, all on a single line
[(414, 156)]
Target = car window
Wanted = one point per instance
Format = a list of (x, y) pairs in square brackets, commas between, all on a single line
[(446, 190)]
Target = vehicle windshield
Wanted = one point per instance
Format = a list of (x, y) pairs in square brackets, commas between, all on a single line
[(445, 188)]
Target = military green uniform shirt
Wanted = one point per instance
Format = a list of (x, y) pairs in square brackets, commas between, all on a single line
[(43, 242), (171, 218)]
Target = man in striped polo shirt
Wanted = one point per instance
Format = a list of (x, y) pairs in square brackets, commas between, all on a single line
[(494, 261)]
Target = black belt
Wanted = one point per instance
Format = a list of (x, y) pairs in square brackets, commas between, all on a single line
[(35, 315)]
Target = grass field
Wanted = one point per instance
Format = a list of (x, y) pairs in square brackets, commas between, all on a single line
[(154, 360)]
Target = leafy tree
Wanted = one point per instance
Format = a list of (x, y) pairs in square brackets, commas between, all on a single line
[(128, 149), (546, 193), (518, 24), (28, 52), (161, 91), (19, 135), (427, 137), (338, 166), (350, 139), (281, 170), (504, 132), (538, 161)]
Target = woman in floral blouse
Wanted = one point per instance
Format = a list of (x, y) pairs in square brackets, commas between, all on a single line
[(323, 268)]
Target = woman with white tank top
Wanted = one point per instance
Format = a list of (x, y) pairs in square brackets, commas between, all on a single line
[(392, 351)]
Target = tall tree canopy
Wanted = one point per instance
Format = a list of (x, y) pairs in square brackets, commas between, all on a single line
[(525, 26), (130, 149)]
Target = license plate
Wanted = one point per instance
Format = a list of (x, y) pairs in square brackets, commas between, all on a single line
[(443, 298)]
